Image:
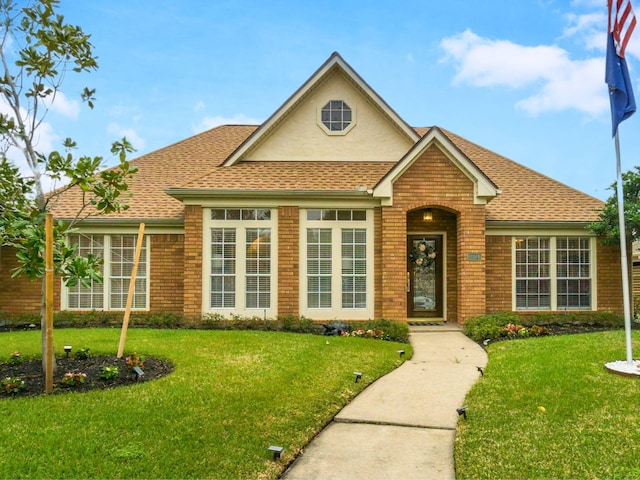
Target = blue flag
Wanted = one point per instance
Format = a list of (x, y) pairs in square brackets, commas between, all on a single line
[(623, 104)]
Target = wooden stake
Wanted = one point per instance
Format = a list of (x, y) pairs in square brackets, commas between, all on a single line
[(49, 303), (132, 289)]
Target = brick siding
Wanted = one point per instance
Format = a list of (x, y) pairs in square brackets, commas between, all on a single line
[(193, 261), (433, 181), (289, 261), (166, 289)]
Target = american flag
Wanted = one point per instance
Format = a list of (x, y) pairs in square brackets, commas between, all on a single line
[(622, 21)]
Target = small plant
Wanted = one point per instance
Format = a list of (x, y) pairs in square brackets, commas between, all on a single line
[(15, 358), (134, 360), (368, 333), (83, 354), (109, 373), (73, 379), (12, 384)]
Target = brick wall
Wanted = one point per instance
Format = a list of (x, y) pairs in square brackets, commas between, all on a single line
[(609, 279), (193, 261), (499, 274), (20, 295), (166, 289), (433, 181), (288, 261)]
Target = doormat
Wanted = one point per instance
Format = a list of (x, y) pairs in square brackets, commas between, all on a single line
[(428, 324)]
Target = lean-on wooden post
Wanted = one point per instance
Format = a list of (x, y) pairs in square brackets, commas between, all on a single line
[(49, 303), (132, 289)]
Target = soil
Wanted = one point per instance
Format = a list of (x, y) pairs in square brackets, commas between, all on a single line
[(31, 372)]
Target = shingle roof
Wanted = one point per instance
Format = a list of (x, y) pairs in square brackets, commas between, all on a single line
[(195, 163)]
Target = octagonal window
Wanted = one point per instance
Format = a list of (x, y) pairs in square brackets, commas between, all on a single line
[(336, 116)]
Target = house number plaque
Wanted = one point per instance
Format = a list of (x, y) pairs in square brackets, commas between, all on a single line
[(474, 257)]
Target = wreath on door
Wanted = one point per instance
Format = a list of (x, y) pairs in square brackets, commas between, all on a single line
[(423, 255)]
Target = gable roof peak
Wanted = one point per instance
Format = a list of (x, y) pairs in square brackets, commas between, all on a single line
[(334, 61)]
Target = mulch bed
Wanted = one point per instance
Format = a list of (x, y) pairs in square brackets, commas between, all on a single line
[(32, 373)]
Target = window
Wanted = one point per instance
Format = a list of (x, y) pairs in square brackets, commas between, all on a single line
[(91, 297), (258, 268), (336, 258), (319, 267), (223, 268), (243, 256), (354, 268), (533, 281), (553, 273), (118, 253), (574, 272), (336, 115)]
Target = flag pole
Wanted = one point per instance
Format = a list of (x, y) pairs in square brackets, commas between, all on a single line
[(623, 254)]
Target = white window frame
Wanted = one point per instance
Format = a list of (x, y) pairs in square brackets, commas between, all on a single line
[(553, 275), (107, 282), (240, 226), (336, 311)]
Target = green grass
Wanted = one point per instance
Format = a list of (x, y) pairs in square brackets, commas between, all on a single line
[(590, 428), (232, 394)]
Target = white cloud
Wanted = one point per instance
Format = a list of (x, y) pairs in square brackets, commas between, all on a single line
[(208, 123), (63, 106), (199, 106), (136, 141), (551, 80)]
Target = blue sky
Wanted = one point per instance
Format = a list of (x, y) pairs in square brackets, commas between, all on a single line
[(523, 78)]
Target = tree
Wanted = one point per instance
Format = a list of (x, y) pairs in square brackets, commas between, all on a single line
[(607, 227), (38, 49)]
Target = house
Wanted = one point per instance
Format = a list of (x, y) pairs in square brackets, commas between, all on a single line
[(335, 208)]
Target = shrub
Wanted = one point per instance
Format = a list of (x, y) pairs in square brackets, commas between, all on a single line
[(11, 384), (489, 326), (15, 358), (134, 360), (73, 379), (393, 331), (83, 354), (108, 373)]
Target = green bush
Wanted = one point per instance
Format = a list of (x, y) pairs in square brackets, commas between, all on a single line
[(489, 326), (393, 331)]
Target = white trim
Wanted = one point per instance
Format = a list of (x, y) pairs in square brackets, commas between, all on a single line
[(64, 299), (336, 311), (240, 294), (343, 132), (484, 188), (593, 272)]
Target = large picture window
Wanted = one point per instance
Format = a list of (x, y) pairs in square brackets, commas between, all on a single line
[(337, 254), (553, 273), (241, 265), (118, 253)]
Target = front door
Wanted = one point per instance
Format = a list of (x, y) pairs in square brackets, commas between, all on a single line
[(424, 276)]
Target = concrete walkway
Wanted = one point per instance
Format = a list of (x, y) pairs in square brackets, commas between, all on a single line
[(403, 425)]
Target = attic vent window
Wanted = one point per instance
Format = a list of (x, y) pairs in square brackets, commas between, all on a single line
[(336, 116)]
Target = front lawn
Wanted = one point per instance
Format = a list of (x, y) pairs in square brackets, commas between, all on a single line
[(547, 408), (232, 395)]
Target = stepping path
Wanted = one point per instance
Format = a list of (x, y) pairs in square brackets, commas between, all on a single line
[(404, 424)]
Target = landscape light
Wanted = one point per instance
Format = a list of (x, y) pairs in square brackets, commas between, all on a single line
[(462, 411), (138, 371), (277, 451), (358, 376), (67, 350), (481, 371), (401, 353)]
